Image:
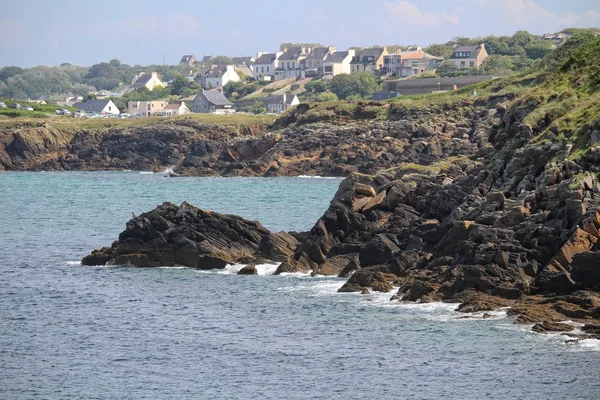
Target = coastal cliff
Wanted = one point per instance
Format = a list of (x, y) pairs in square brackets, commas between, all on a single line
[(489, 203)]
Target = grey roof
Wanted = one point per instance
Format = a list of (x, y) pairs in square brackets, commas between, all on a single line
[(318, 53), (88, 105), (215, 97), (385, 95), (278, 99), (292, 53), (337, 56), (372, 52), (465, 49), (266, 58), (186, 58), (141, 81), (217, 71), (242, 60), (206, 58)]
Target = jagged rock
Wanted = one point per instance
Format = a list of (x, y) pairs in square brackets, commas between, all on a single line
[(551, 327), (185, 235), (248, 270), (362, 279)]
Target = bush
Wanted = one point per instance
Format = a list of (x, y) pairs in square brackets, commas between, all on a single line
[(362, 85), (326, 96)]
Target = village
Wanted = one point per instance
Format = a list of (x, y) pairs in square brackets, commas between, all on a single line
[(282, 76)]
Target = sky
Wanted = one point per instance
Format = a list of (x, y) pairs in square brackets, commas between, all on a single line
[(41, 32)]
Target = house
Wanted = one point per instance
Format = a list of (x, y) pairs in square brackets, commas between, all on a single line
[(368, 60), (219, 76), (290, 63), (338, 62), (416, 61), (313, 63), (188, 59), (469, 56), (174, 109), (265, 65), (279, 103), (212, 101), (385, 96), (98, 106), (244, 69), (149, 81), (145, 108), (206, 59)]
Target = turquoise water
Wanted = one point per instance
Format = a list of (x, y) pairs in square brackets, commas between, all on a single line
[(121, 333)]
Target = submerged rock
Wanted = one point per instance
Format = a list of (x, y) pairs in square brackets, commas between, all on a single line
[(248, 270)]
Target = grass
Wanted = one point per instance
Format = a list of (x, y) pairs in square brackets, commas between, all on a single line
[(68, 124)]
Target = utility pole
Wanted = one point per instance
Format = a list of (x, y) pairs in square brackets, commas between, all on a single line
[(164, 59)]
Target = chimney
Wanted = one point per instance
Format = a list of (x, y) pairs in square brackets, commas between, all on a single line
[(482, 46), (351, 52), (330, 49), (283, 50)]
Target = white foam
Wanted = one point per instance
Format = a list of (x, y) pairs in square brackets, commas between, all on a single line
[(317, 177), (146, 172), (73, 262), (589, 344), (266, 269)]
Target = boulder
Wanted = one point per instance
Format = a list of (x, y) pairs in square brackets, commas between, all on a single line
[(551, 327), (248, 270), (364, 279)]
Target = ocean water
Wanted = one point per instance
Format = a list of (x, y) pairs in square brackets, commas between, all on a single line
[(68, 331)]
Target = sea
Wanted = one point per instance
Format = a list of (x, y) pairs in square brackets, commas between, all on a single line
[(74, 332)]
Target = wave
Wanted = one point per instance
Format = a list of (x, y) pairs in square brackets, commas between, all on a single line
[(73, 262), (261, 269), (317, 177), (146, 172)]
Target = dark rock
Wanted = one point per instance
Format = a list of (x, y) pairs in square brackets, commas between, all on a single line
[(551, 327), (248, 270)]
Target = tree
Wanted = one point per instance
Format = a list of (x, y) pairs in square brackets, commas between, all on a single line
[(179, 83), (522, 38), (115, 63), (326, 96), (289, 45), (538, 49), (82, 89), (316, 87), (8, 72), (447, 68), (256, 108), (362, 84)]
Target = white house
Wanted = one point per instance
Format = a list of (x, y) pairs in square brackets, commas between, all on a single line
[(290, 63), (280, 103), (338, 62), (149, 81), (265, 65), (219, 76), (98, 106), (174, 109)]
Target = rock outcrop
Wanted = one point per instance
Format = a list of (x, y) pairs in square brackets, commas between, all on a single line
[(185, 235)]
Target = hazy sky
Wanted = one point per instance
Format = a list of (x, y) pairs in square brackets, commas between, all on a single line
[(36, 32)]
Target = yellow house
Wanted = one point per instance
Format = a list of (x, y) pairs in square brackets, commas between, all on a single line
[(145, 108), (469, 56)]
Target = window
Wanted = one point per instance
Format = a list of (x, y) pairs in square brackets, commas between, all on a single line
[(472, 64), (109, 108), (462, 64), (328, 69), (148, 106), (267, 69), (262, 69)]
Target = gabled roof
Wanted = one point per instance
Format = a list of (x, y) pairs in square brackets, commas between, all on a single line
[(292, 53), (318, 54), (385, 95), (217, 72), (466, 49), (97, 105), (242, 60), (372, 52), (266, 58), (337, 56), (278, 99), (141, 80), (186, 58), (215, 97), (174, 106), (206, 58)]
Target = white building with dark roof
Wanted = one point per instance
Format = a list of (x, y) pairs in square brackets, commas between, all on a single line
[(265, 65), (338, 62), (98, 106)]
